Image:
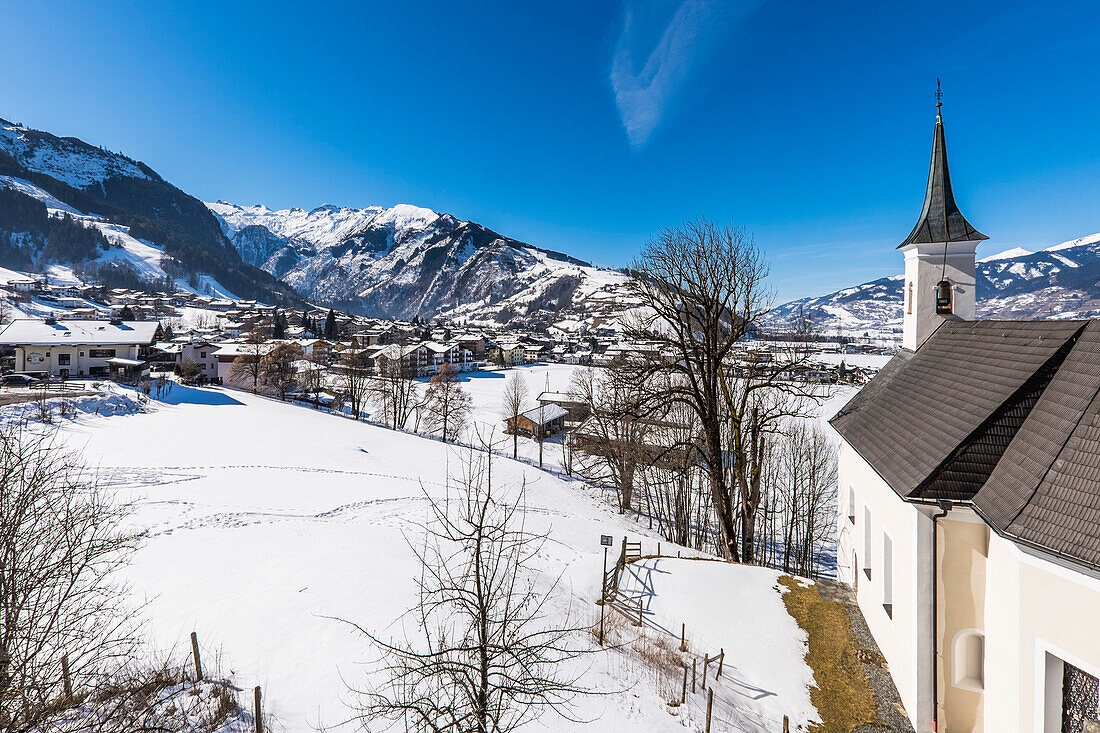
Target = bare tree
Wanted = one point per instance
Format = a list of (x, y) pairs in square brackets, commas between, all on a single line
[(248, 366), (512, 403), (189, 370), (491, 659), (355, 377), (701, 288), (611, 442), (311, 377), (395, 390), (805, 487), (60, 538), (279, 367), (446, 404)]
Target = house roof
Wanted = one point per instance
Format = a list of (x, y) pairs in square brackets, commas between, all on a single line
[(544, 414), (1045, 490), (35, 332), (934, 423), (940, 219), (557, 397)]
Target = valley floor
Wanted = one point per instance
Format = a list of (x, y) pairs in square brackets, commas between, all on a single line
[(267, 521)]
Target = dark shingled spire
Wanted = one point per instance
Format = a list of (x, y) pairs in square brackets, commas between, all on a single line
[(940, 219)]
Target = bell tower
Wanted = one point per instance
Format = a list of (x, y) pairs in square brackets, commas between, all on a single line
[(939, 253)]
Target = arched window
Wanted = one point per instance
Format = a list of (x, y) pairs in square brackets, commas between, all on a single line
[(968, 660), (909, 299)]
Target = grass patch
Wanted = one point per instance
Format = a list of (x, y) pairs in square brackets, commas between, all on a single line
[(842, 694)]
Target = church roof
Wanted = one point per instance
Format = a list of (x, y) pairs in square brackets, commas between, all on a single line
[(933, 423), (1045, 490), (940, 219)]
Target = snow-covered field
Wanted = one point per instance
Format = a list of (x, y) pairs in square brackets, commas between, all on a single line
[(265, 521), (487, 391), (708, 597)]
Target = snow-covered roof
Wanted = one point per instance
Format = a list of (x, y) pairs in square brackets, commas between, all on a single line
[(557, 397), (545, 413), (39, 333)]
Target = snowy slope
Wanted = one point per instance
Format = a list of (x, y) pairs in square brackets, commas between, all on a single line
[(407, 260), (140, 255), (279, 518), (66, 159), (1062, 281), (73, 176)]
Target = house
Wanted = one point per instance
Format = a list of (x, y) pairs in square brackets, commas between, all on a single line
[(541, 421), (78, 348), (969, 498), (512, 353), (576, 410), (229, 351)]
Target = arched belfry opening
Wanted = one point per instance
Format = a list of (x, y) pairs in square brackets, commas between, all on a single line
[(944, 298)]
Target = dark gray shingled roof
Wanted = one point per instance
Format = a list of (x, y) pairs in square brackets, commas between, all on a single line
[(1045, 490), (940, 219), (934, 423)]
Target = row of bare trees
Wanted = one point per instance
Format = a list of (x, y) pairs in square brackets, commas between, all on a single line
[(442, 407), (720, 453)]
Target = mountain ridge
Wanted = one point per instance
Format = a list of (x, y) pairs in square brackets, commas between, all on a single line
[(1057, 282)]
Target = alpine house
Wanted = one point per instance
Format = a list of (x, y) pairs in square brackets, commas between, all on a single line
[(969, 520)]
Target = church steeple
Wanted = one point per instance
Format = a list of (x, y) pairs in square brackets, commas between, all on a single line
[(940, 265), (940, 219)]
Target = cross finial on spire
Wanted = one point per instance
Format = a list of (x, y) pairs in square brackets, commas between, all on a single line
[(939, 96)]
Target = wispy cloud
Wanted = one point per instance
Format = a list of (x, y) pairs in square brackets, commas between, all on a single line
[(647, 76)]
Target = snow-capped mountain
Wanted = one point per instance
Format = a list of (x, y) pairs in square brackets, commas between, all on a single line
[(68, 205), (1062, 281), (410, 261)]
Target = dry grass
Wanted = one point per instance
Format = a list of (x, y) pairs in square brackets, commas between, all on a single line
[(842, 694), (657, 653)]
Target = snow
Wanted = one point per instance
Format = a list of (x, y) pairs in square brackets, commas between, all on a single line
[(71, 161), (267, 520), (1079, 242), (741, 612), (325, 225), (486, 389), (142, 256), (1007, 254)]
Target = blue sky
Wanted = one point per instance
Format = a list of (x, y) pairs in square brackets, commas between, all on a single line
[(587, 126)]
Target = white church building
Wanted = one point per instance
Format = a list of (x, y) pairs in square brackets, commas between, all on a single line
[(969, 520)]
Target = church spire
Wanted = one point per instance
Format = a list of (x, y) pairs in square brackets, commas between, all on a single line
[(940, 219)]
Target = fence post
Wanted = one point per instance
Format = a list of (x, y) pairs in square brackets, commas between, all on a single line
[(721, 661), (66, 681), (693, 661), (710, 704), (258, 711), (622, 555), (683, 637), (706, 663), (658, 549), (684, 691), (786, 724), (641, 609), (195, 654)]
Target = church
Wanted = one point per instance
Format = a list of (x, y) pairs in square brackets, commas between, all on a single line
[(969, 498)]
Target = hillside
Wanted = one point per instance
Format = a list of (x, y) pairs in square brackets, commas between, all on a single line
[(167, 233), (283, 519), (1062, 281), (409, 261)]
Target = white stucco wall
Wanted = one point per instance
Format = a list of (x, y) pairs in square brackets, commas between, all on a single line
[(1038, 614), (904, 638), (924, 267), (80, 359)]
